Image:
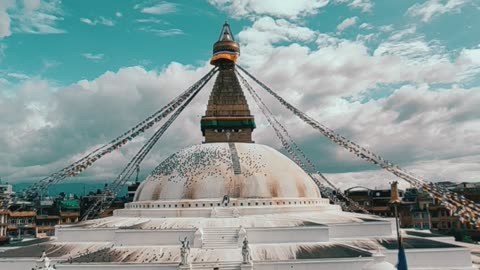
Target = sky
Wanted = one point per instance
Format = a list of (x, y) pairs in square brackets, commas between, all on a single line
[(398, 77)]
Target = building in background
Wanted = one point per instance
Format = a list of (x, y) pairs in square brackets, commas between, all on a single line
[(3, 226), (47, 217), (418, 210), (6, 193), (375, 201), (22, 224), (69, 210)]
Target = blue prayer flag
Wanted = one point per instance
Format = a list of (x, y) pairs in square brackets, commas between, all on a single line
[(402, 259)]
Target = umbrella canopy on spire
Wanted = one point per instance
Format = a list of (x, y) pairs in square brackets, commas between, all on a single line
[(226, 49)]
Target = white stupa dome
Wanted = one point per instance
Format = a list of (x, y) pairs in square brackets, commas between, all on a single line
[(239, 170)]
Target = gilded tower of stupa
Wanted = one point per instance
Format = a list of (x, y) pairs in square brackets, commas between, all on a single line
[(228, 117)]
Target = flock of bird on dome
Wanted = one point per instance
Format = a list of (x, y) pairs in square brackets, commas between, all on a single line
[(465, 209)]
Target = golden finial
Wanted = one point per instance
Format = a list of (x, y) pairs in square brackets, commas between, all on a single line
[(394, 194)]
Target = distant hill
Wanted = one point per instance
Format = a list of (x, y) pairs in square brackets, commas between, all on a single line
[(68, 188)]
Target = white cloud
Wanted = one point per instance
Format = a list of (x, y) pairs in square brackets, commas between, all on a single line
[(42, 130), (118, 14), (18, 76), (386, 28), (438, 63), (3, 48), (37, 17), (93, 57), (364, 5), (87, 21), (32, 4), (152, 20), (267, 30), (366, 26), (257, 40), (100, 20), (5, 20), (48, 63), (367, 38), (159, 9), (163, 32), (4, 24), (432, 8), (347, 23), (291, 9)]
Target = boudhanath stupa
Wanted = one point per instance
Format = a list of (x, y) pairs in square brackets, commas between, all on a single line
[(230, 203)]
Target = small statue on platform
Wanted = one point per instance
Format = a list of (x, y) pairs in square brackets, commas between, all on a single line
[(44, 263), (44, 255), (184, 251), (246, 252)]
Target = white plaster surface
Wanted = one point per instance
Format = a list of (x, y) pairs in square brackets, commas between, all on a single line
[(206, 171)]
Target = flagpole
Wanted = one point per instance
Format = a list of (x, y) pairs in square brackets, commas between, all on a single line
[(395, 201), (397, 223)]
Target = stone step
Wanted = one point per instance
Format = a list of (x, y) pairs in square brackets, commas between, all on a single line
[(220, 229), (233, 267), (208, 238), (219, 267), (220, 241), (220, 233), (220, 247), (220, 238)]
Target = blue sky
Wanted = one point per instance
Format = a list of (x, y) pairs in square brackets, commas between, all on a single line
[(95, 36), (401, 77)]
